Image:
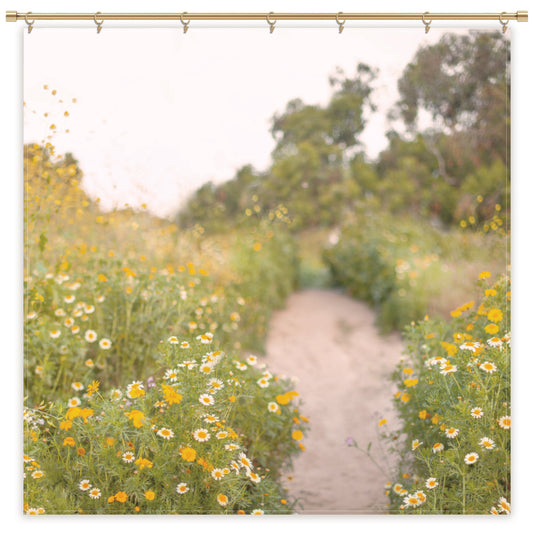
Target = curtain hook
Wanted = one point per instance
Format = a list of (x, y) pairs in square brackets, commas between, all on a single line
[(272, 23), (28, 22), (185, 22), (341, 24), (503, 23), (428, 22), (98, 24)]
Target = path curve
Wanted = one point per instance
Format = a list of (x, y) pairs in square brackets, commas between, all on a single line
[(329, 342)]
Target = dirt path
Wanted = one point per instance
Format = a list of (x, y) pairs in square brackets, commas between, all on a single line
[(329, 342)]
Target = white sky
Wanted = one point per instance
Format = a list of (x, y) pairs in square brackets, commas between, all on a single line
[(159, 112)]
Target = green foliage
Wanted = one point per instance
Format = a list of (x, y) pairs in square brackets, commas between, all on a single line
[(402, 265), (389, 265), (321, 177), (100, 307), (209, 420), (309, 173), (453, 402), (129, 306)]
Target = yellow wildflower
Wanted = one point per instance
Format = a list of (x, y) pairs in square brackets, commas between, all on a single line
[(297, 435), (137, 417), (142, 463), (495, 315), (188, 454), (170, 395)]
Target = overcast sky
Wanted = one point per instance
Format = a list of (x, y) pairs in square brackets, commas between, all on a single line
[(159, 112)]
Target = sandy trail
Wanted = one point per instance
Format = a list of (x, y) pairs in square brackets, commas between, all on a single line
[(329, 342)]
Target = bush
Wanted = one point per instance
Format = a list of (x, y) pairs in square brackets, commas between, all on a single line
[(454, 405), (392, 267), (208, 433), (101, 319)]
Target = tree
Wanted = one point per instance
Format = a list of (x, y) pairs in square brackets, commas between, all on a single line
[(454, 103), (310, 161), (463, 83)]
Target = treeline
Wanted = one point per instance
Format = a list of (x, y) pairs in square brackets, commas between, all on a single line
[(446, 160)]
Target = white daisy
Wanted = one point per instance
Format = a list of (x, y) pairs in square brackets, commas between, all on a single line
[(253, 476), (165, 433), (411, 500), (201, 435), (206, 399), (486, 443), (84, 484), (431, 483), (470, 345), (503, 505), (205, 338), (495, 342), (488, 367), (95, 493), (215, 384), (471, 458), (182, 488), (447, 368), (451, 433), (273, 407), (217, 473), (171, 374), (476, 412), (105, 344), (251, 360), (206, 368), (128, 457), (415, 444), (245, 462), (504, 422), (90, 335), (263, 383)]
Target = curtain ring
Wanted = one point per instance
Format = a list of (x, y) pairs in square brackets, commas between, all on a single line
[(503, 23), (341, 24), (185, 23), (28, 22), (428, 22), (272, 23), (98, 24)]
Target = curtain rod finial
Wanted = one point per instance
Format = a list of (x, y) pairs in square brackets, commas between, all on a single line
[(11, 16), (521, 16)]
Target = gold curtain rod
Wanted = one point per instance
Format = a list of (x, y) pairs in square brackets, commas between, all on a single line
[(520, 16)]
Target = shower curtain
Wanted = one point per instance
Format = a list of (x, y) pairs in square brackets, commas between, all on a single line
[(266, 272)]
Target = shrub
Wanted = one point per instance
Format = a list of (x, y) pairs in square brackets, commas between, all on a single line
[(454, 405), (198, 437), (101, 319), (386, 266)]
